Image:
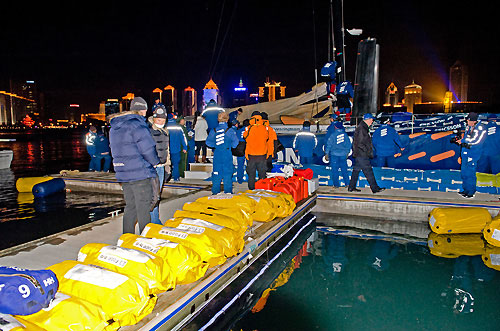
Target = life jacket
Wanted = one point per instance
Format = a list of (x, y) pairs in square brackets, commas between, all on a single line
[(256, 136)]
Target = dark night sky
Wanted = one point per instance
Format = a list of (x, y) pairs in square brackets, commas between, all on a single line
[(86, 51)]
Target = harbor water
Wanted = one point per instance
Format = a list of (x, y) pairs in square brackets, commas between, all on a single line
[(375, 282), (39, 153)]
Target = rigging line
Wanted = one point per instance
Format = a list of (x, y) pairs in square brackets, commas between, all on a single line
[(315, 61), (225, 36), (332, 31), (215, 42)]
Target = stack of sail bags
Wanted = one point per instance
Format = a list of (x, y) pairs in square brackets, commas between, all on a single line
[(465, 231), (215, 226)]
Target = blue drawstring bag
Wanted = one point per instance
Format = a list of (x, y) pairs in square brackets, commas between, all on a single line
[(25, 292)]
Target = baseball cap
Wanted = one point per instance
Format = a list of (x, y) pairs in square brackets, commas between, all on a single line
[(368, 116), (472, 116)]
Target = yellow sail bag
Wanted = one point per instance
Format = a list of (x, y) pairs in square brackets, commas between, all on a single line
[(232, 242), (125, 299), (16, 323), (459, 219), (266, 209), (68, 313), (184, 263), (209, 249), (226, 200), (216, 217), (285, 202), (241, 215), (130, 262), (25, 185), (455, 245)]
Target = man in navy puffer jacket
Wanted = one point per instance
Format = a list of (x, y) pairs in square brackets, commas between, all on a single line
[(134, 159)]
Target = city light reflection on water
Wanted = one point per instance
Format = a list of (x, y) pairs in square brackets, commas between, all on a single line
[(38, 153)]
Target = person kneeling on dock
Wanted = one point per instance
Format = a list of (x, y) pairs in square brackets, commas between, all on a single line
[(134, 159), (221, 139)]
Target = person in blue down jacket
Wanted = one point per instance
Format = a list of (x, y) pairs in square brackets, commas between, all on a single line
[(386, 144), (210, 114), (331, 128), (102, 151), (490, 159), (222, 139), (337, 149), (304, 143), (178, 145), (134, 159), (472, 148)]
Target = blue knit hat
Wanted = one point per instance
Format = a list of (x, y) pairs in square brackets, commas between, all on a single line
[(368, 116)]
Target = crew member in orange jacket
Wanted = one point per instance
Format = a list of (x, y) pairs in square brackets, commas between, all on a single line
[(256, 136)]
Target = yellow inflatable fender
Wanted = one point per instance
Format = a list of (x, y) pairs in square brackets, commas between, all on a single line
[(68, 313), (491, 257), (25, 184), (492, 232), (288, 204), (209, 249), (455, 245), (266, 209), (131, 262), (232, 242), (125, 299), (241, 215), (226, 200), (459, 219), (17, 323), (184, 262), (214, 216)]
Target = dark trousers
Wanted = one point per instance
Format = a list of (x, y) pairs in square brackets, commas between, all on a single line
[(138, 199), (200, 146), (363, 164), (256, 163)]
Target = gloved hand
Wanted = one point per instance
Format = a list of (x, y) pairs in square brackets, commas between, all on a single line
[(465, 145), (327, 158)]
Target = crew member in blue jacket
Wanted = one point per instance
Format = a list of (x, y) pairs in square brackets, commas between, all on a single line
[(210, 114), (90, 142), (102, 151), (472, 148), (304, 144), (222, 139), (178, 145), (490, 159), (331, 127), (233, 116), (337, 149), (134, 159), (240, 160), (344, 93), (386, 145)]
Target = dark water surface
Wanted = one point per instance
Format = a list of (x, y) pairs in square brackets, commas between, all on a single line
[(37, 153), (348, 283)]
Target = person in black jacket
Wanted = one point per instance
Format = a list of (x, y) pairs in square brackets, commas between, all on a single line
[(156, 124), (362, 151)]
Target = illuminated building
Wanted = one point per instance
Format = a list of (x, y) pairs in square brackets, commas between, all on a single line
[(169, 98), (448, 100), (391, 95), (240, 95), (14, 106), (4, 106), (413, 95), (211, 92), (459, 81), (189, 101), (271, 91)]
